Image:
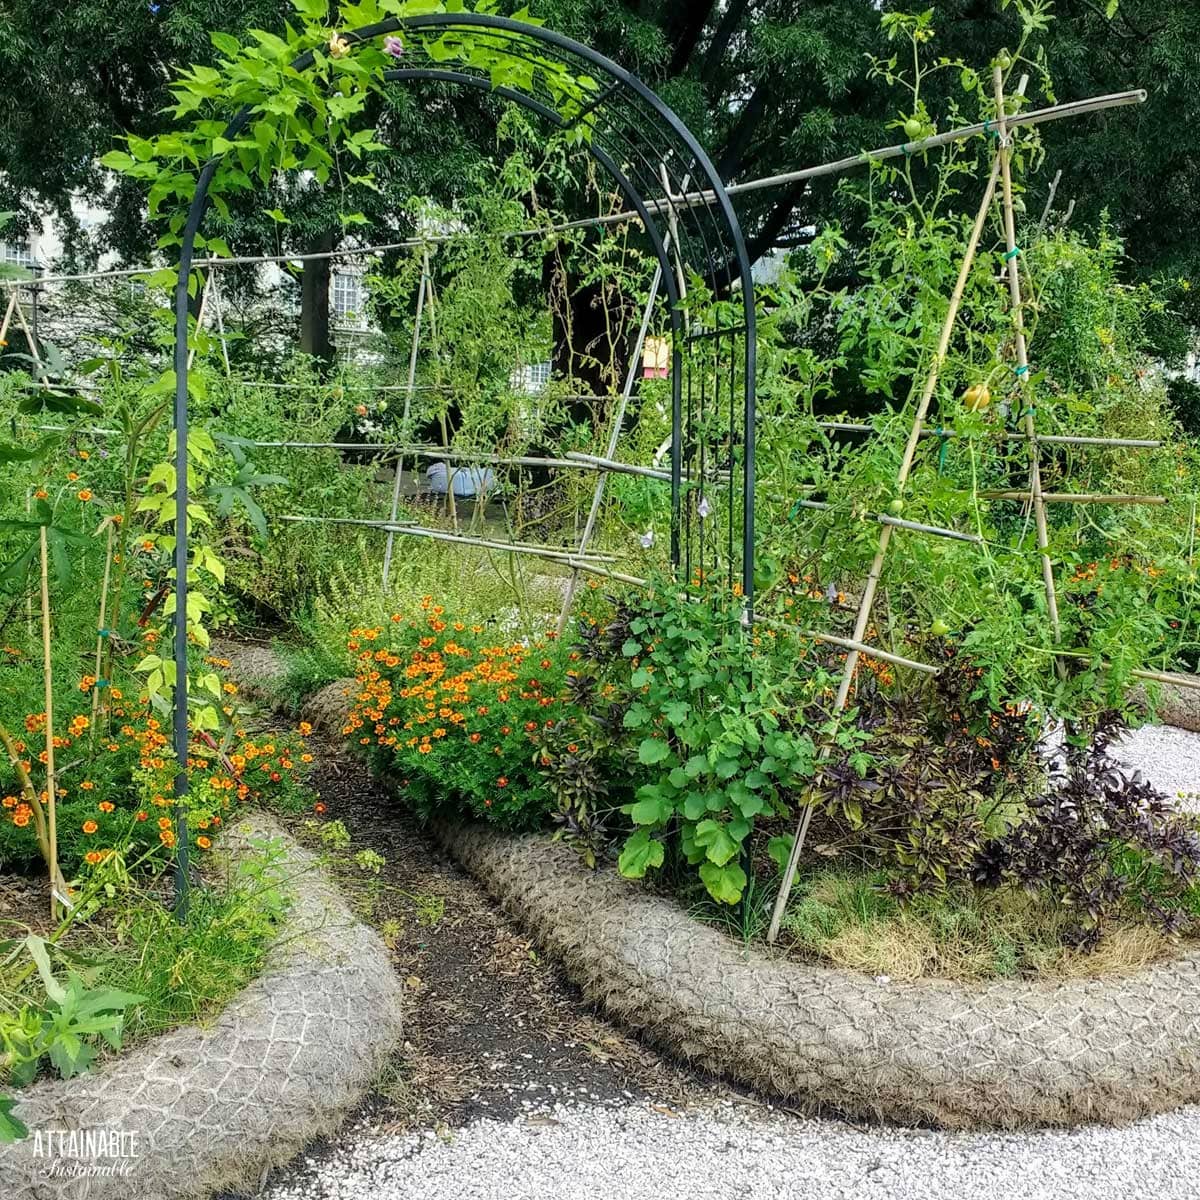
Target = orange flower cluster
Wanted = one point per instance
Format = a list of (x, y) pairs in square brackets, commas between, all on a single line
[(426, 682)]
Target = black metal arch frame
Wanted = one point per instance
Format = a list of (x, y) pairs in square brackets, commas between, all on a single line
[(653, 160)]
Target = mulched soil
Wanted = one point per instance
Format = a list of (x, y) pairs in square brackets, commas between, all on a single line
[(492, 1029)]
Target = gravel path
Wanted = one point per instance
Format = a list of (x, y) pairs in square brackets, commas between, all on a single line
[(634, 1147), (1168, 757), (638, 1153)]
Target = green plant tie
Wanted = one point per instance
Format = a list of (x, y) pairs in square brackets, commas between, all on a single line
[(1019, 371), (943, 448), (1012, 254), (101, 683), (1030, 411), (103, 633), (987, 128), (794, 509)]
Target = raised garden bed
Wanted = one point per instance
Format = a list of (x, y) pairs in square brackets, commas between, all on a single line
[(215, 1106), (1004, 1054)]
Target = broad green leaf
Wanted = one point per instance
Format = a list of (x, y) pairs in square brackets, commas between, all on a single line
[(724, 884), (640, 853), (653, 750), (12, 1128)]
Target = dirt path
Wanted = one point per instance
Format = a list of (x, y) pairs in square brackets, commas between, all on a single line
[(492, 1029)]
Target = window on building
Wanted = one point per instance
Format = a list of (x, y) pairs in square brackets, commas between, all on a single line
[(17, 254), (532, 379), (349, 299)]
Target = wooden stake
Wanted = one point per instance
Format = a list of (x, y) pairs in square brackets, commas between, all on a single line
[(51, 793), (1022, 368), (102, 617), (868, 595)]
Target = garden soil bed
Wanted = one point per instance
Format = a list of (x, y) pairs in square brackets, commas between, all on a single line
[(1002, 1054)]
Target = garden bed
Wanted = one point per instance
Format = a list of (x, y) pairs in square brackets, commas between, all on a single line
[(213, 1106), (1005, 1054)]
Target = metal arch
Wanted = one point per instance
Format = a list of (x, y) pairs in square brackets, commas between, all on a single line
[(619, 79)]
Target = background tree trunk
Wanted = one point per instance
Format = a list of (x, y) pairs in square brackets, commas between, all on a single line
[(315, 336)]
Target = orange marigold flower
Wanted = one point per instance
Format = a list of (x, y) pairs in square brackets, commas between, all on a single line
[(167, 838), (87, 785), (164, 822), (474, 737), (72, 476), (424, 748), (84, 494), (204, 843), (143, 815), (93, 857), (41, 494), (305, 728), (106, 806), (89, 827), (502, 781), (318, 807)]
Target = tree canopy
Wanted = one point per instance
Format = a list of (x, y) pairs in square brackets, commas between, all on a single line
[(768, 85)]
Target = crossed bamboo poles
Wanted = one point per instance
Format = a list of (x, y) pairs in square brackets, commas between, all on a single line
[(1001, 173)]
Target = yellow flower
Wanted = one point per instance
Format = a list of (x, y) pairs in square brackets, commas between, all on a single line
[(338, 46)]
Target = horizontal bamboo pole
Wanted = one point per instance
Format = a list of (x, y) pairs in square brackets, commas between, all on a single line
[(900, 523), (1051, 438), (1055, 112), (414, 530), (1074, 498), (620, 468), (849, 644)]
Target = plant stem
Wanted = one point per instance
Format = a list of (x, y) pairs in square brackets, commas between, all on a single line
[(51, 825)]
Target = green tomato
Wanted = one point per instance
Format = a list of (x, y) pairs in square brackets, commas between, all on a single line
[(939, 628), (913, 129), (1004, 60), (896, 507)]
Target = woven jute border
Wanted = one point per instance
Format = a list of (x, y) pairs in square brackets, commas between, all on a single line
[(204, 1108), (1005, 1054)]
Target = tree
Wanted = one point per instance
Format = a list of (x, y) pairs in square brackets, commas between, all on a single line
[(768, 85)]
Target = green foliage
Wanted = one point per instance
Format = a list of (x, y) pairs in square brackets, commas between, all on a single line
[(713, 716), (65, 1028), (451, 712)]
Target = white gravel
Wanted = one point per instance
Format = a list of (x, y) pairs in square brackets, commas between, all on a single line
[(1169, 758), (730, 1154), (737, 1152)]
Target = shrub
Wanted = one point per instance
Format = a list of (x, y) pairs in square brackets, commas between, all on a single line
[(451, 711), (702, 717)]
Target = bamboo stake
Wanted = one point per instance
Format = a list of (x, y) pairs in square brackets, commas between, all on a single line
[(34, 352), (900, 523), (1074, 498), (1022, 368), (412, 378), (219, 313), (29, 792), (466, 539), (620, 468), (200, 315), (4, 324), (51, 786), (867, 601), (1055, 438), (100, 625), (850, 644), (614, 436)]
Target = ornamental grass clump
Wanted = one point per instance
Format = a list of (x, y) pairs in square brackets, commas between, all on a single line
[(451, 711)]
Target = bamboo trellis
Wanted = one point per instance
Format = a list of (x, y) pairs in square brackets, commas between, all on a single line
[(1035, 497)]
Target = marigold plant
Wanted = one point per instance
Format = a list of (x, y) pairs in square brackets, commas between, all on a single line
[(452, 710)]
